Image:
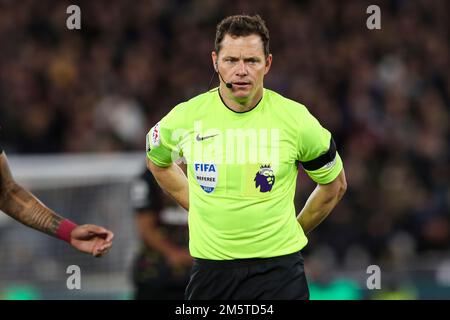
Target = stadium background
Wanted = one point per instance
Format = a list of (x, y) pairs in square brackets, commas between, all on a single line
[(75, 107)]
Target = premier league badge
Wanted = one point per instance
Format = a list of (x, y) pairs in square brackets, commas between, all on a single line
[(265, 178)]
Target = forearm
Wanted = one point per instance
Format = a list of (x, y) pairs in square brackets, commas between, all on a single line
[(320, 203), (21, 205), (172, 180), (27, 209)]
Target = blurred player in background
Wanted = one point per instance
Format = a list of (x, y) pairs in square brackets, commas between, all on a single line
[(244, 234), (21, 205), (162, 265)]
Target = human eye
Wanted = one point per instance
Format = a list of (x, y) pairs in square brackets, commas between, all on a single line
[(230, 60), (252, 61)]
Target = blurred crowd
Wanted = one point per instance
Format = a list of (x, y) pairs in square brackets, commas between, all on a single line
[(385, 95)]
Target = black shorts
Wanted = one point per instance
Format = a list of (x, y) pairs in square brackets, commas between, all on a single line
[(277, 278)]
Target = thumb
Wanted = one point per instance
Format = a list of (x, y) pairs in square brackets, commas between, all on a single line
[(92, 228), (100, 231)]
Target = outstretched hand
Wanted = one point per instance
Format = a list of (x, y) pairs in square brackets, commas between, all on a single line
[(91, 239)]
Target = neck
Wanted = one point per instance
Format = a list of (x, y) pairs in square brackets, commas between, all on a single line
[(239, 105)]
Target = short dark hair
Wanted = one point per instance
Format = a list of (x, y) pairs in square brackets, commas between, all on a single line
[(241, 26)]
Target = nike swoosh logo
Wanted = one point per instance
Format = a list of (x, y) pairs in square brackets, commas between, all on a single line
[(198, 138)]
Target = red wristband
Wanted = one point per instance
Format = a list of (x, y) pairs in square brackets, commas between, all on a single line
[(65, 229)]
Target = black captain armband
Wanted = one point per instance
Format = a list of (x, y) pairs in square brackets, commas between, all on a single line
[(322, 160)]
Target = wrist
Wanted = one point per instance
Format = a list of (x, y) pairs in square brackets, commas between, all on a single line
[(65, 229)]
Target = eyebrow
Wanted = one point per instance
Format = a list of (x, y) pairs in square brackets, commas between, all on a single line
[(247, 59)]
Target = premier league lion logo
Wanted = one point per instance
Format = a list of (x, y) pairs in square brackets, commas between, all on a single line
[(265, 178)]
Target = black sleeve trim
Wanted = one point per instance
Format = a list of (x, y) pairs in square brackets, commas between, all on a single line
[(322, 160)]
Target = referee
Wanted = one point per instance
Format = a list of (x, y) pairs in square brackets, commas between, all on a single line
[(243, 144)]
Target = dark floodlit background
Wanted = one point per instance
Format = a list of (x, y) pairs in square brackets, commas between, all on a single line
[(75, 107)]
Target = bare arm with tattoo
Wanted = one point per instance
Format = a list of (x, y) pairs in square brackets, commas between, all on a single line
[(21, 205)]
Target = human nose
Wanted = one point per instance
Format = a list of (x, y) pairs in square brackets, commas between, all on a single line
[(241, 69)]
